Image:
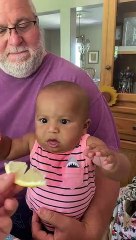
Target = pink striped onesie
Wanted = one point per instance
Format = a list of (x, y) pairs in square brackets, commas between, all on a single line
[(70, 179)]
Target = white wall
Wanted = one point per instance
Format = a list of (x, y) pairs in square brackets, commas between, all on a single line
[(52, 41), (53, 5), (68, 20), (92, 32)]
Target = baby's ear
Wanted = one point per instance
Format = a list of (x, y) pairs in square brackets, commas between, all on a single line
[(86, 125)]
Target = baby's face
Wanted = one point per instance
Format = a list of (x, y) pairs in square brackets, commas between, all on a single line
[(58, 121)]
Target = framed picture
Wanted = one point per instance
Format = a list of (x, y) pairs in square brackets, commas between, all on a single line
[(93, 57)]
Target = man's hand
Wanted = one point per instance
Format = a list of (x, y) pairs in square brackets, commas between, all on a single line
[(8, 204), (66, 228)]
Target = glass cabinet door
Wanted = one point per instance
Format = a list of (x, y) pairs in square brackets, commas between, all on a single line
[(124, 74), (119, 48)]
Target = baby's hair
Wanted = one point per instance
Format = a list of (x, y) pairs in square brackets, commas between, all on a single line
[(74, 89)]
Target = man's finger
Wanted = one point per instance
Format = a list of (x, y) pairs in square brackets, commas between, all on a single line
[(6, 225), (8, 188), (55, 219), (8, 180), (35, 221), (10, 206), (36, 228)]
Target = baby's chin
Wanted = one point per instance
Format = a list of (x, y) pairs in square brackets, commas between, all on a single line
[(54, 150)]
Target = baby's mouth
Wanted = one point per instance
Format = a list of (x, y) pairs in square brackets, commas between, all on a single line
[(53, 143)]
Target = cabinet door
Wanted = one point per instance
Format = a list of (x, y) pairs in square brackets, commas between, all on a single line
[(129, 148), (119, 14), (116, 13), (108, 39)]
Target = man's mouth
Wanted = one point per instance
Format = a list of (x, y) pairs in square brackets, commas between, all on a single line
[(18, 55)]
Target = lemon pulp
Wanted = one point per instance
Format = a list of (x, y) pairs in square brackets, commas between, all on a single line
[(23, 177)]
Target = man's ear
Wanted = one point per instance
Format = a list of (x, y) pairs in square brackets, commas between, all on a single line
[(86, 125)]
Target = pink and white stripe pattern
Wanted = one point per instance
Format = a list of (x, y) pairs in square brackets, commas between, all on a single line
[(69, 190)]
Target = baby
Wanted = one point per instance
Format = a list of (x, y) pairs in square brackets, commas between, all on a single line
[(63, 151)]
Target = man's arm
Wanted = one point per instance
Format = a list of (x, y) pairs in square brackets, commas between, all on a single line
[(100, 210)]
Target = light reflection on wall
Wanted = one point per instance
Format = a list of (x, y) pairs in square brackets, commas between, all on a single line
[(78, 62)]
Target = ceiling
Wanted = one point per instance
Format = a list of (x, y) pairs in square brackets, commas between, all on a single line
[(89, 15)]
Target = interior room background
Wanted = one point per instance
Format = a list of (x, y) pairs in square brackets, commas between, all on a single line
[(61, 40)]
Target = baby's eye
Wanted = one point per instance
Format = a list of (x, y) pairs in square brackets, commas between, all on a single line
[(43, 120), (64, 121)]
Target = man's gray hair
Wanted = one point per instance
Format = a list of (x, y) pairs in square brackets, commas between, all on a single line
[(32, 7)]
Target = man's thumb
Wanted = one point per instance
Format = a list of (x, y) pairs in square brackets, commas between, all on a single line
[(53, 218)]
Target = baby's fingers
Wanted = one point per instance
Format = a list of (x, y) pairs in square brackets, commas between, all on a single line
[(98, 161), (88, 152)]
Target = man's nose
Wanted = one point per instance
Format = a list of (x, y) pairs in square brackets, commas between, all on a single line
[(14, 38)]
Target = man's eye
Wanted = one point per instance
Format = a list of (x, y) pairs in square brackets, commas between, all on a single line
[(3, 30), (43, 120), (23, 25), (64, 121)]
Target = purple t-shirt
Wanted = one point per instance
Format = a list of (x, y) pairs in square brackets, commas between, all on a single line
[(17, 100)]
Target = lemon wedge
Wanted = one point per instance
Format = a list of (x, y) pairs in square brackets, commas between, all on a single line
[(31, 178)]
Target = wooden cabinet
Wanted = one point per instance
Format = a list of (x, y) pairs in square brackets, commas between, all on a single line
[(124, 111)]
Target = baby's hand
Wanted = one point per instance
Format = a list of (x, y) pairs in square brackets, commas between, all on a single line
[(101, 156), (107, 163), (95, 150)]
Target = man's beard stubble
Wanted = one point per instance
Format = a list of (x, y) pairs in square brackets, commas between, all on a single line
[(27, 67)]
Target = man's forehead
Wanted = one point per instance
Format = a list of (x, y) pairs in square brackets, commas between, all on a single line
[(13, 10), (7, 6)]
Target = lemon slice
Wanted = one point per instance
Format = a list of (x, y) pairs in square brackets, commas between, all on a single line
[(31, 178)]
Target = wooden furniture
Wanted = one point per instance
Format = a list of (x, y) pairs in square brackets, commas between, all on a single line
[(124, 111)]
